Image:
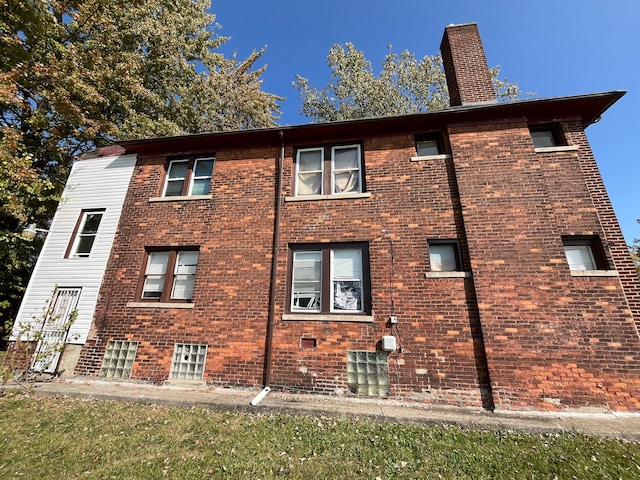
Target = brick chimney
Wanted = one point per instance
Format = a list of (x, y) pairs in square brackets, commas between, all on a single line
[(465, 66)]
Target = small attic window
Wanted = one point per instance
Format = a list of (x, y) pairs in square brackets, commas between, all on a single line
[(547, 135), (429, 144)]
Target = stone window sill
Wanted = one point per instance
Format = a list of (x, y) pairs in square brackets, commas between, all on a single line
[(336, 196), (594, 273), (160, 305), (442, 156), (557, 148), (329, 317), (180, 198), (447, 274)]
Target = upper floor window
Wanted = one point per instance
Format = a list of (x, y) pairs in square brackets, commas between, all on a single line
[(85, 233), (329, 170), (170, 275), (444, 256), (330, 278), (429, 144), (584, 253), (189, 176), (547, 135)]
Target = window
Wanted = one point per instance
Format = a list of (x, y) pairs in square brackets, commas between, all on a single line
[(188, 361), (118, 359), (330, 279), (547, 135), (329, 170), (85, 233), (189, 177), (584, 253), (170, 275), (368, 373), (430, 144), (444, 256)]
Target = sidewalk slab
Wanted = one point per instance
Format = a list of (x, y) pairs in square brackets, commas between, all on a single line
[(624, 426)]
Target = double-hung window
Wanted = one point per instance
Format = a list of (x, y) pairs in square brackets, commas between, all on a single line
[(329, 170), (330, 279), (86, 232), (189, 176), (170, 275)]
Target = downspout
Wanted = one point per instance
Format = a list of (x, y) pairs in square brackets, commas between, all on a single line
[(274, 274)]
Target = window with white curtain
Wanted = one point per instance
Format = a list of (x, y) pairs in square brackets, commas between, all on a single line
[(329, 170)]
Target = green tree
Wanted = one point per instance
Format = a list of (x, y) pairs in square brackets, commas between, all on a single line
[(404, 85), (78, 74)]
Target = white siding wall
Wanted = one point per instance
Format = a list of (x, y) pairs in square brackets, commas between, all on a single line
[(94, 183)]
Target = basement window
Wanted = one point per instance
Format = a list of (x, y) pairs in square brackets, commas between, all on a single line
[(188, 361), (368, 373), (118, 359)]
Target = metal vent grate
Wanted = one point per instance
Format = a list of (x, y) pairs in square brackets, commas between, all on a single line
[(368, 373), (188, 361), (118, 359)]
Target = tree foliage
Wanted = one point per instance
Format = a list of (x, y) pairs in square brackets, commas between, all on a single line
[(404, 85), (78, 74)]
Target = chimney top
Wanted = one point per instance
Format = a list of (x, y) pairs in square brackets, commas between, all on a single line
[(465, 66)]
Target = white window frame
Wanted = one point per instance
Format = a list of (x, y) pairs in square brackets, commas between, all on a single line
[(334, 170), (201, 177), (190, 176), (329, 163), (298, 172), (588, 263), (80, 234)]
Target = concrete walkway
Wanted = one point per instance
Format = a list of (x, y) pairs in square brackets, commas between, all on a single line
[(606, 424)]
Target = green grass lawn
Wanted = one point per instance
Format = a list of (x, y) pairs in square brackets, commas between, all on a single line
[(63, 438)]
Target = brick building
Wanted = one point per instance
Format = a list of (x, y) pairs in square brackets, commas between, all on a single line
[(465, 256)]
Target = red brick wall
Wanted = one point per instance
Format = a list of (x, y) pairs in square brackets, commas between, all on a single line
[(234, 231), (413, 202), (521, 332), (552, 339)]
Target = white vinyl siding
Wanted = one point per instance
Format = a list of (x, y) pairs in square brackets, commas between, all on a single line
[(93, 184)]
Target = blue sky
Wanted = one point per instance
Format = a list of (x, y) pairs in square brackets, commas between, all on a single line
[(553, 48)]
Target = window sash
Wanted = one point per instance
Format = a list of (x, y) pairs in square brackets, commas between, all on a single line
[(176, 177), (346, 280), (184, 275), (202, 174), (443, 257), (155, 274), (580, 257), (346, 177), (85, 238), (310, 171), (306, 292)]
